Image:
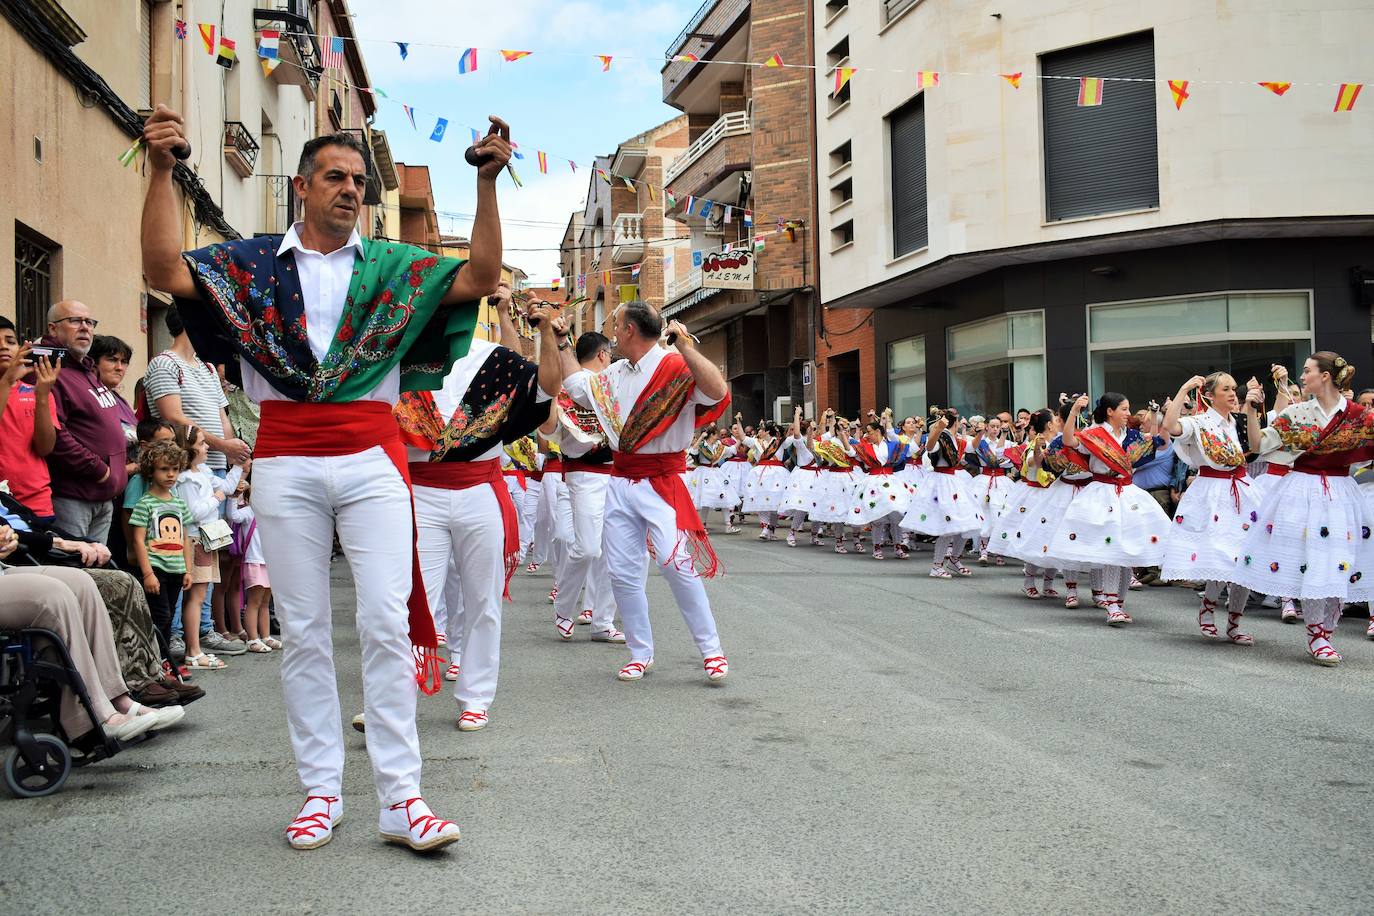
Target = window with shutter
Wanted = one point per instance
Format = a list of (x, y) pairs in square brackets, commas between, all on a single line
[(1104, 158), (907, 136)]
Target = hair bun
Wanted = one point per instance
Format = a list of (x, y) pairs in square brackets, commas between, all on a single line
[(1347, 373)]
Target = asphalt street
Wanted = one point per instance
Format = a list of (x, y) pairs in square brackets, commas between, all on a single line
[(884, 743)]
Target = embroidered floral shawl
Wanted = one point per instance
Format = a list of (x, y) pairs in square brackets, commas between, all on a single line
[(500, 404), (1300, 430), (1102, 445), (662, 400), (251, 306)]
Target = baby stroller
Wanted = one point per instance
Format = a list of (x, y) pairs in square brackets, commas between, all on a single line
[(34, 667)]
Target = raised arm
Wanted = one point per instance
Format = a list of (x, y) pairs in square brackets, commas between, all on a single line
[(1071, 424), (710, 381), (1175, 407), (553, 344), (482, 272), (500, 300), (160, 231)]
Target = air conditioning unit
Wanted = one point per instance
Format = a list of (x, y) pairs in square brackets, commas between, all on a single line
[(782, 410)]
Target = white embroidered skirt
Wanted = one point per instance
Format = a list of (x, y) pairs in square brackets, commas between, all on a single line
[(1103, 527), (942, 505), (1208, 529)]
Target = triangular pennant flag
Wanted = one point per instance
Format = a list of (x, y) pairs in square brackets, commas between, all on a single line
[(476, 137), (572, 165), (404, 48), (543, 158), (669, 200), (509, 56), (748, 217), (515, 150), (269, 41), (774, 61), (380, 92), (1276, 88), (181, 29), (634, 272), (1089, 92), (1013, 79), (130, 154), (927, 79), (410, 113), (842, 76), (268, 65), (689, 58), (227, 54), (629, 184), (1346, 96), (605, 61), (601, 173), (653, 198), (510, 170), (207, 36), (439, 127), (1180, 90), (467, 63)]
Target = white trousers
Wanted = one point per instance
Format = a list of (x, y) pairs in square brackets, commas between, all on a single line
[(580, 523), (529, 512), (633, 512), (300, 502), (462, 547), (541, 541), (517, 496)]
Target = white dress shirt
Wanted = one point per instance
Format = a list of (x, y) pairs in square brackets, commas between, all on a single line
[(626, 381), (324, 280)]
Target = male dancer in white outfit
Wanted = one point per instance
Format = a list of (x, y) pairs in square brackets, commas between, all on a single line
[(328, 328), (582, 506), (649, 402)]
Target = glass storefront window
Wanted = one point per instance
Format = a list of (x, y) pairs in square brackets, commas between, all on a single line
[(998, 363), (906, 377)]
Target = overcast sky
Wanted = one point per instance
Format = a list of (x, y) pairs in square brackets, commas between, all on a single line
[(556, 100)]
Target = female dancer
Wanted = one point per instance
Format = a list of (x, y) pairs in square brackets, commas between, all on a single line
[(765, 488), (1311, 539), (715, 480), (1215, 513), (990, 453), (943, 507), (831, 497), (739, 464), (1024, 504), (1111, 523), (1268, 472), (879, 499)]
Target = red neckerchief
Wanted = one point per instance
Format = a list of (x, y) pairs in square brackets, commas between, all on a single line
[(1104, 447)]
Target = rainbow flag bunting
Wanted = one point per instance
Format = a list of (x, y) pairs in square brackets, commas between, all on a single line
[(1346, 96), (207, 36), (774, 61), (1013, 79), (1089, 92), (605, 62), (543, 158), (1179, 88), (1276, 88), (927, 79), (510, 56), (842, 77), (468, 62)]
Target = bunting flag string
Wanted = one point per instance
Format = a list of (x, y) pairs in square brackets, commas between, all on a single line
[(1346, 96), (1277, 88), (543, 158), (774, 61), (512, 56), (467, 63), (842, 76), (1089, 92)]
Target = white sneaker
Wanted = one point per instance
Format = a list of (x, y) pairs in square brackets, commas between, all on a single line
[(611, 635), (635, 671), (163, 717), (411, 823), (314, 826), (473, 720)]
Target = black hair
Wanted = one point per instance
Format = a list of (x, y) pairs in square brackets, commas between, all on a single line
[(645, 318), (175, 326), (773, 428), (306, 167), (590, 344), (104, 345), (1361, 393), (1040, 420), (148, 427), (1065, 409), (1109, 401), (874, 424), (7, 325)]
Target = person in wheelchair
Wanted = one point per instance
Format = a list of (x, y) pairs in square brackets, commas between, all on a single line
[(145, 664), (67, 602)]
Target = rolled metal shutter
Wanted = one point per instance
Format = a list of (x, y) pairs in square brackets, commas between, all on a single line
[(1105, 158), (907, 131)]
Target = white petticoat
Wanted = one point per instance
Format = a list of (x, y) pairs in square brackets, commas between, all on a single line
[(1311, 540), (877, 496), (832, 497), (1102, 527), (1205, 538), (1028, 539), (739, 473), (716, 486), (766, 488), (943, 505)]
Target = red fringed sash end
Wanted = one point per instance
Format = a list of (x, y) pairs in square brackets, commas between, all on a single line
[(512, 564), (429, 670)]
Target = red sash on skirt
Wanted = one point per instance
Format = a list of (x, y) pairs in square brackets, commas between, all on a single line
[(664, 472), (309, 430), (461, 475), (1235, 475)]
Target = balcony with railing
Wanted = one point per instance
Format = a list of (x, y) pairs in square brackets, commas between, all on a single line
[(240, 148), (681, 286), (734, 153), (299, 51), (279, 204), (627, 239), (714, 21)]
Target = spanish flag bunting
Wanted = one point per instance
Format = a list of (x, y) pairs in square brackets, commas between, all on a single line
[(509, 56), (927, 79), (1346, 96), (842, 76), (605, 278), (207, 36), (605, 62), (689, 58), (1180, 90), (1276, 88), (1013, 79), (227, 54), (1089, 91), (774, 61), (543, 158)]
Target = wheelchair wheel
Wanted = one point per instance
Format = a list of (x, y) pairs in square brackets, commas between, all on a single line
[(24, 781)]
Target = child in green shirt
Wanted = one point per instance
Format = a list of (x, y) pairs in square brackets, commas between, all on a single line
[(158, 528)]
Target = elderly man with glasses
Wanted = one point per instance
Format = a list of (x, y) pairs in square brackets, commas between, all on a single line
[(87, 463)]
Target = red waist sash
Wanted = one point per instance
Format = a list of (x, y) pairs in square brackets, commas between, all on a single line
[(664, 472), (994, 472), (1077, 482), (944, 470), (308, 430), (518, 474), (1235, 475), (462, 475), (880, 471), (1120, 482), (836, 470), (738, 458), (1031, 482), (1278, 470), (774, 463), (552, 466), (578, 466)]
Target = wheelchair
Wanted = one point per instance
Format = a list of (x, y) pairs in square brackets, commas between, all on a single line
[(34, 668)]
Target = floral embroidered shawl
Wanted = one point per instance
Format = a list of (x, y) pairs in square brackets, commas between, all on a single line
[(1299, 431), (501, 403), (251, 306), (662, 400), (1102, 445)]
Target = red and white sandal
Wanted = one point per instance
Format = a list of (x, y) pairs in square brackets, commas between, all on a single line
[(411, 823), (443, 640), (315, 824), (1233, 632), (564, 626), (452, 673), (1049, 591), (716, 668), (1116, 614), (1205, 622), (1031, 592), (585, 617), (1319, 646), (553, 594), (939, 572), (635, 671), (472, 720), (959, 569)]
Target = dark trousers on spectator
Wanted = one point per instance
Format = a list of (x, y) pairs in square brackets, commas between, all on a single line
[(160, 606)]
